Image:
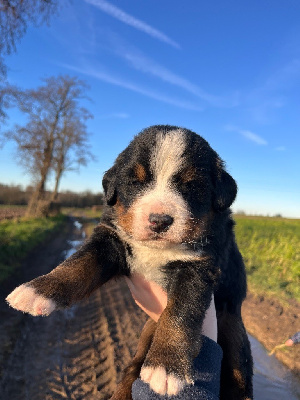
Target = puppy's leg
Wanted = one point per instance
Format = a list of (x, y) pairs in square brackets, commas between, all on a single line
[(237, 365), (132, 372), (97, 261), (177, 339)]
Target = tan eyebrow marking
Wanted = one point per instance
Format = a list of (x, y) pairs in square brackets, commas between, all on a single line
[(188, 174), (140, 172)]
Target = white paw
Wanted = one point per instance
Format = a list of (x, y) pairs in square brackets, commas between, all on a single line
[(161, 382), (25, 298)]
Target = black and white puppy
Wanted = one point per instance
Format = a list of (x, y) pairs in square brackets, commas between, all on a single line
[(167, 217)]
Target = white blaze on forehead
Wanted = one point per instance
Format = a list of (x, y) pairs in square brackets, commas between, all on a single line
[(161, 197), (167, 158)]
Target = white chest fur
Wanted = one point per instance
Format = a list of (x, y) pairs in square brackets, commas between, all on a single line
[(148, 261)]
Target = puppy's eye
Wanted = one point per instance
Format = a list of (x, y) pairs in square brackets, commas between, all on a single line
[(190, 182), (190, 188), (136, 182)]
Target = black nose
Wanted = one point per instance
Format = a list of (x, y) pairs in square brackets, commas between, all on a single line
[(160, 222)]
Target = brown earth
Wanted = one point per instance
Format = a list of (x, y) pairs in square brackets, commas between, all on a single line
[(272, 324), (12, 212), (80, 353)]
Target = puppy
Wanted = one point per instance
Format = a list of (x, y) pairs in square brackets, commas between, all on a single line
[(167, 217)]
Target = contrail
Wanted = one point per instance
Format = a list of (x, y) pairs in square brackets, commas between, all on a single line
[(122, 16)]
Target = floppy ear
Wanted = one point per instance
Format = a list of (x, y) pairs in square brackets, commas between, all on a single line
[(225, 189), (109, 186)]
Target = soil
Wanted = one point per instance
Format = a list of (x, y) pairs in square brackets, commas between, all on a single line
[(80, 353), (12, 212), (273, 323)]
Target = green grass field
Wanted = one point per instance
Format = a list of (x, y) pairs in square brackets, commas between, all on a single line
[(18, 237), (271, 251), (270, 247), (86, 213)]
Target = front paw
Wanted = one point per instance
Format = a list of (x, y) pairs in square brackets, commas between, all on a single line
[(168, 367), (162, 382), (26, 299)]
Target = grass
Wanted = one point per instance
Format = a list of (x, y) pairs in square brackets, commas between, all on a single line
[(12, 206), (85, 213), (271, 251), (18, 237)]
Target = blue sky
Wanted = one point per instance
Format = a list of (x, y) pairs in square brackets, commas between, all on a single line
[(229, 70)]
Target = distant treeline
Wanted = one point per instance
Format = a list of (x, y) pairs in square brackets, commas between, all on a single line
[(17, 195)]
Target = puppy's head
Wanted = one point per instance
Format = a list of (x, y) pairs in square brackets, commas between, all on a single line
[(165, 186)]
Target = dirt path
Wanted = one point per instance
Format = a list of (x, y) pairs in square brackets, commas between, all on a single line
[(38, 262), (75, 354), (80, 353)]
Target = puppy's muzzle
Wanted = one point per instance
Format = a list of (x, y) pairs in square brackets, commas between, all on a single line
[(160, 222)]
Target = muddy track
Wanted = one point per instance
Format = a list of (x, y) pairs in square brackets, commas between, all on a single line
[(80, 353), (75, 354)]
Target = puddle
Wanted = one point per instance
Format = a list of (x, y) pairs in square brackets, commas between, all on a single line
[(74, 244), (272, 380), (77, 225)]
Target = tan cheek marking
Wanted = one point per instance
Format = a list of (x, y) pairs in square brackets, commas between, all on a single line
[(124, 217), (140, 172), (239, 378)]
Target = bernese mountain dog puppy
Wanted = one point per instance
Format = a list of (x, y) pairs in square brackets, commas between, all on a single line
[(167, 218)]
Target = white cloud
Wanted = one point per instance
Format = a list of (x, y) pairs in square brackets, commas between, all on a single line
[(253, 137), (265, 101), (280, 148), (285, 77), (122, 16), (266, 109), (147, 65), (108, 78)]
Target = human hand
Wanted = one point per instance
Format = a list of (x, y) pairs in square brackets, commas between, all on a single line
[(152, 299), (289, 343)]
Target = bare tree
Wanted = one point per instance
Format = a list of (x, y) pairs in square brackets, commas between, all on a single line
[(72, 149), (5, 101), (15, 16), (10, 96), (50, 109)]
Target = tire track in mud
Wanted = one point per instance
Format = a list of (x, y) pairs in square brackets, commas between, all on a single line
[(75, 354), (125, 321), (78, 353)]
